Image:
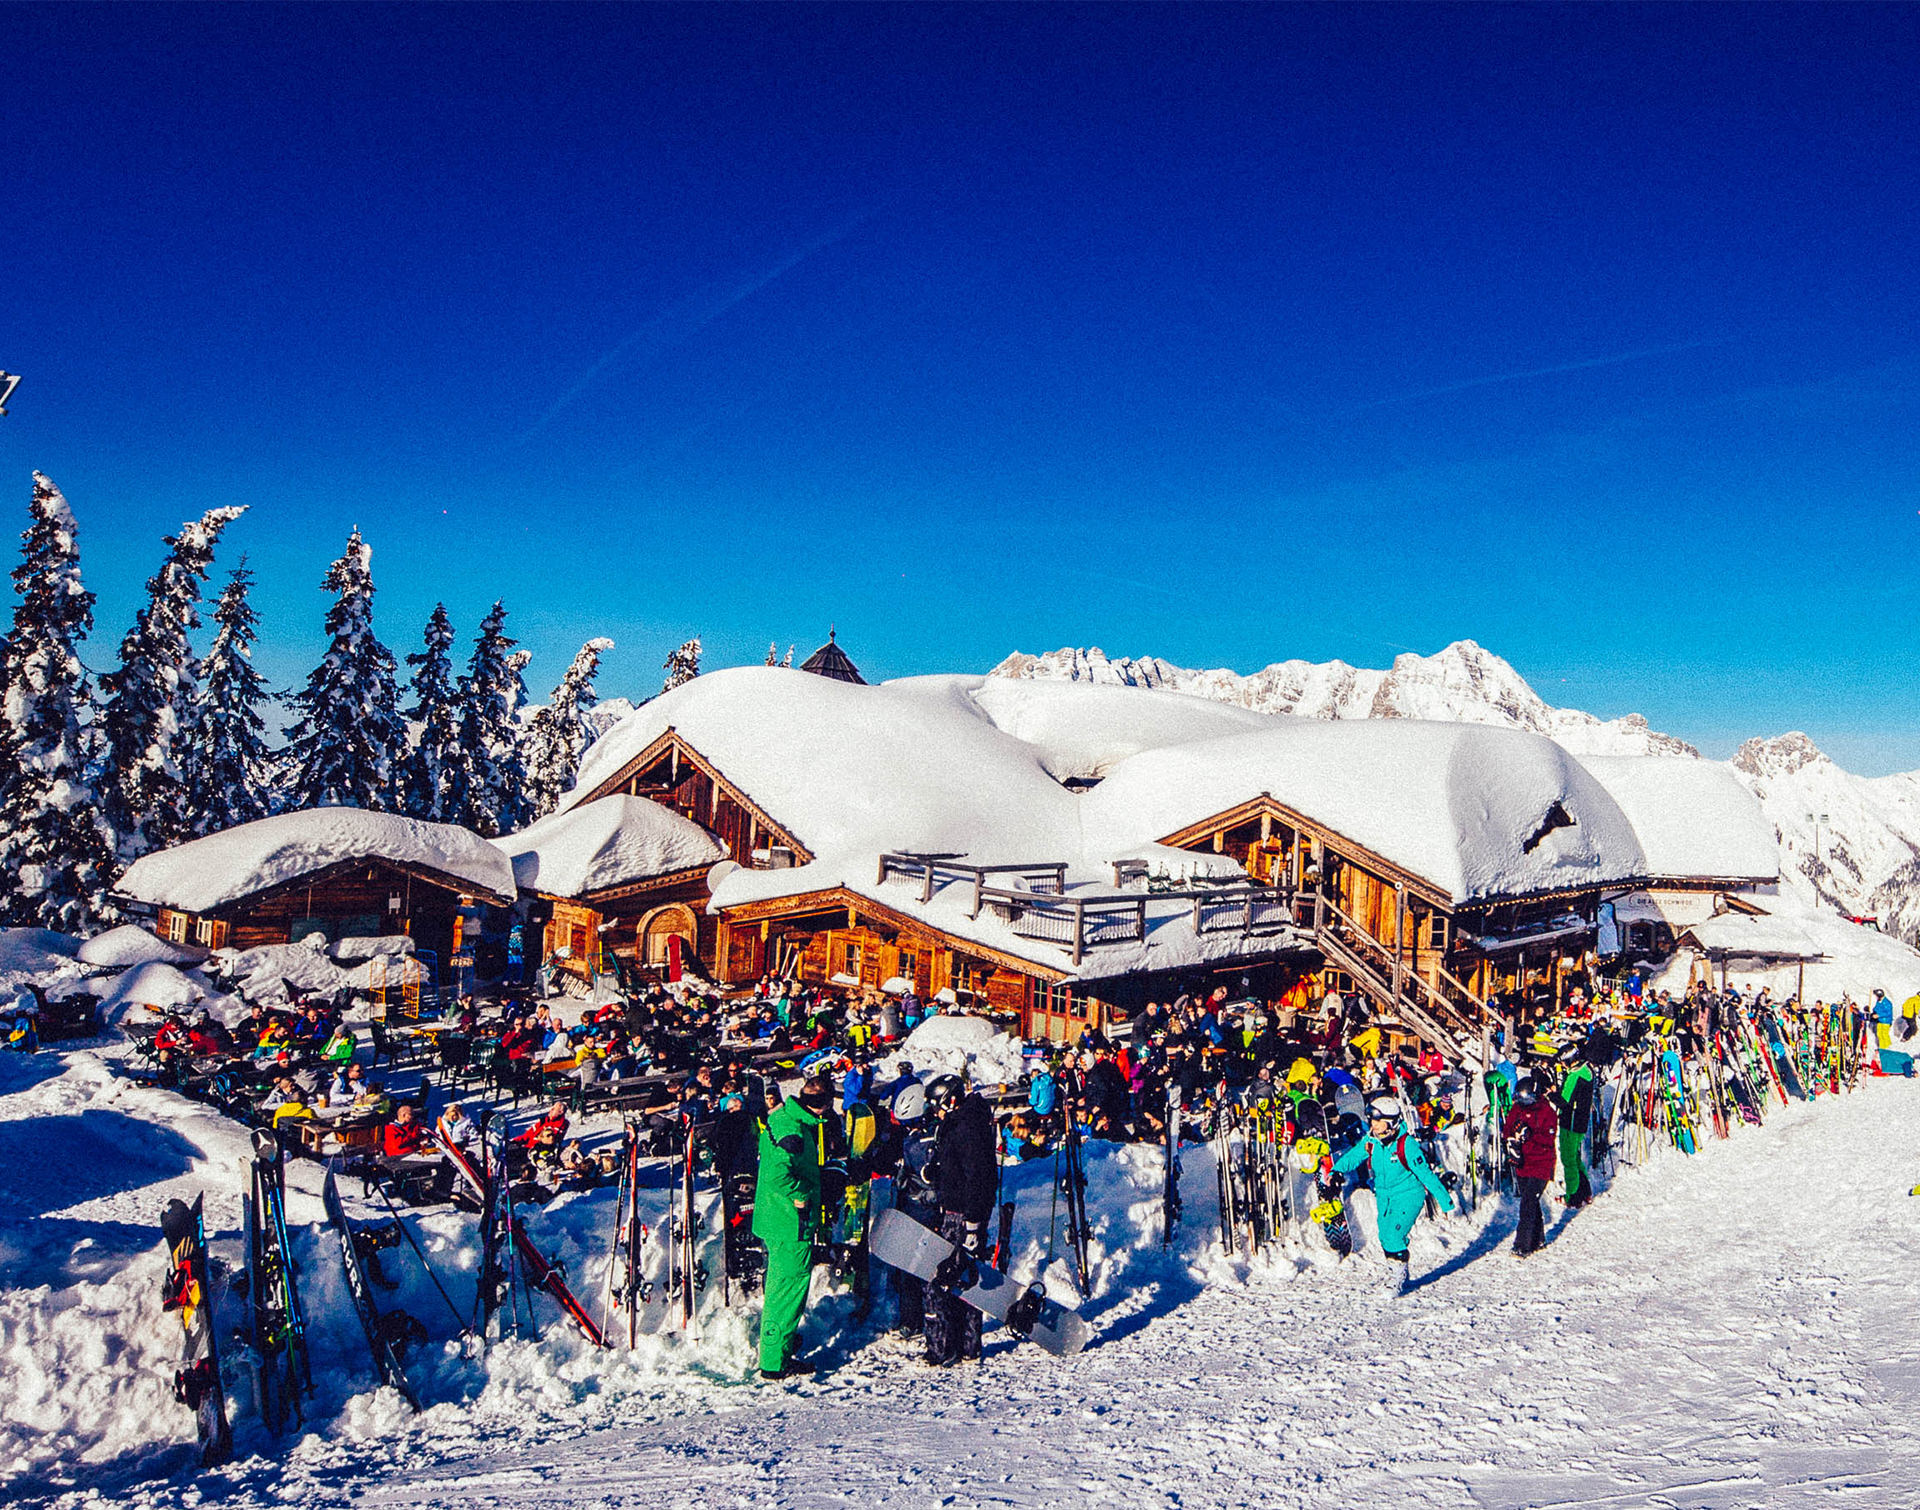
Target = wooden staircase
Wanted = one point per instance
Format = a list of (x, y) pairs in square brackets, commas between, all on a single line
[(1444, 1011)]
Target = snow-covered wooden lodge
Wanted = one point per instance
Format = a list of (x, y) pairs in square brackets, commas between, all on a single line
[(338, 872), (1066, 851), (1055, 850)]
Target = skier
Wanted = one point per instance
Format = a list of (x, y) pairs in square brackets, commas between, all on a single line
[(1574, 1103), (786, 1210), (1402, 1181), (905, 1151), (1531, 1130), (966, 1181)]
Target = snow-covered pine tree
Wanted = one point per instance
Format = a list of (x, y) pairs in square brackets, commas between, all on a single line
[(148, 702), (230, 772), (56, 849), (487, 786), (683, 665), (435, 720), (788, 662), (773, 652), (347, 748), (558, 735)]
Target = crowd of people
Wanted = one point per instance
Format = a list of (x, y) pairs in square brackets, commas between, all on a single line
[(1337, 1095)]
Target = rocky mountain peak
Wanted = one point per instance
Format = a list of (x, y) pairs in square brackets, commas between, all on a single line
[(1781, 755)]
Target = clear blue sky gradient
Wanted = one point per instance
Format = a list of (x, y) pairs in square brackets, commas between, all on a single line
[(1224, 335)]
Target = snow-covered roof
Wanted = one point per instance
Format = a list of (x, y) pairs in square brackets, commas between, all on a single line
[(1741, 933), (130, 944), (1465, 807), (614, 841), (251, 857), (1693, 817)]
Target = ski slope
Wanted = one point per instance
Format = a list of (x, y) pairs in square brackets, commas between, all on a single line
[(1727, 1331)]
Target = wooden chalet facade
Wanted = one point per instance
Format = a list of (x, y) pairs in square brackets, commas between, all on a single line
[(1432, 964), (371, 897), (653, 924)]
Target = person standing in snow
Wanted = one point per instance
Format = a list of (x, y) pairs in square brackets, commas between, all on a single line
[(1532, 1133), (1574, 1103), (1402, 1181), (786, 1214), (966, 1180)]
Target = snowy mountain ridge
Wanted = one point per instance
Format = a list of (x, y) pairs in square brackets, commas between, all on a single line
[(1862, 858)]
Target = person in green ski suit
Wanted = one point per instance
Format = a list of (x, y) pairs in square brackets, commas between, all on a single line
[(1402, 1181), (1574, 1103), (786, 1210)]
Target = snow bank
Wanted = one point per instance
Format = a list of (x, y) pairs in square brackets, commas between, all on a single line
[(130, 944), (611, 842), (237, 862), (156, 985), (264, 974), (956, 1045)]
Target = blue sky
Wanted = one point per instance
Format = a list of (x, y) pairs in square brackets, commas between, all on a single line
[(1224, 335)]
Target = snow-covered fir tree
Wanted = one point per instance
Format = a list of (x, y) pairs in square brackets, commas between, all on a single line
[(558, 734), (56, 849), (683, 665), (230, 770), (148, 701), (788, 662), (435, 720), (487, 785), (348, 745), (773, 653)]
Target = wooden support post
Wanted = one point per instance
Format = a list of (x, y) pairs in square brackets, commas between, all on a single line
[(1079, 927), (1399, 938), (1140, 919), (1196, 915), (880, 878), (978, 881), (1246, 914), (926, 884), (1266, 827)]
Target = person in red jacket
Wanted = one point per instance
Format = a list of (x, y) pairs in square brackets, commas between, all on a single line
[(1532, 1131), (403, 1137)]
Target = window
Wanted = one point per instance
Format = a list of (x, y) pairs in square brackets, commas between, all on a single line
[(203, 933), (856, 957), (175, 924), (909, 962)]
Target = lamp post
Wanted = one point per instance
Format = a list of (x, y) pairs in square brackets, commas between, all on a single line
[(1819, 822)]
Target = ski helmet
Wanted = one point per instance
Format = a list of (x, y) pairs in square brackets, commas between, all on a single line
[(910, 1105), (1384, 1106)]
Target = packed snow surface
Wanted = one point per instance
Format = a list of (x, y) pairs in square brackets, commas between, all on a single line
[(207, 873), (1722, 1332), (614, 841), (960, 1045)]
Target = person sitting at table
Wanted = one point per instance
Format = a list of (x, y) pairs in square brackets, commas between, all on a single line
[(554, 1122), (518, 1042), (274, 1040), (372, 1098), (403, 1137), (339, 1046), (348, 1081), (309, 1030), (456, 1128)]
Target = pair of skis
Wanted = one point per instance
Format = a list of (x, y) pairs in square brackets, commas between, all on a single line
[(510, 1262), (191, 1291), (279, 1323)]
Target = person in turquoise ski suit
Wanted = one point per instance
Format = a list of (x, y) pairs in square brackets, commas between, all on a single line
[(1402, 1181), (786, 1213)]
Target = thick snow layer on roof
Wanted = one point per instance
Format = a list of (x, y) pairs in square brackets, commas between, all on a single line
[(852, 771), (130, 944), (614, 841), (1460, 805), (1692, 817), (1083, 731), (1745, 933), (1853, 961), (155, 985), (221, 868)]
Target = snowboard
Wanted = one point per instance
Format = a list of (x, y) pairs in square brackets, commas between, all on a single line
[(902, 1243), (1170, 1196), (385, 1360), (190, 1292)]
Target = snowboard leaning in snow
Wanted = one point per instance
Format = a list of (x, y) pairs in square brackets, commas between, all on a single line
[(190, 1292), (902, 1243), (385, 1359)]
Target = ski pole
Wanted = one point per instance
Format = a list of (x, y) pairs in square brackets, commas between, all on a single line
[(420, 1253)]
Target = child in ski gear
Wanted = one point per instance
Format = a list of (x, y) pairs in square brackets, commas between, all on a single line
[(1532, 1130), (786, 1212), (1402, 1181)]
